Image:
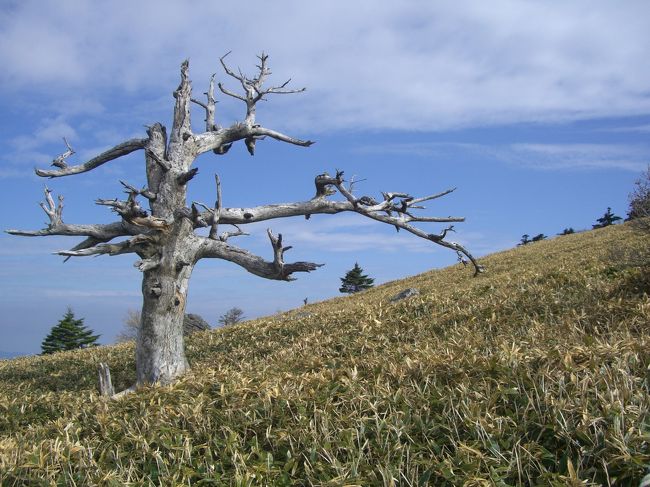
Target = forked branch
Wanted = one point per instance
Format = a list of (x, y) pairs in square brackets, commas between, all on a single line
[(404, 217), (219, 140), (276, 270), (254, 89), (99, 232), (53, 211)]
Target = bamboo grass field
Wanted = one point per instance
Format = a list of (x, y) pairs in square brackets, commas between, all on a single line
[(535, 373)]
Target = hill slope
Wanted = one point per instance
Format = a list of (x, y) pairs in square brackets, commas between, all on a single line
[(534, 373)]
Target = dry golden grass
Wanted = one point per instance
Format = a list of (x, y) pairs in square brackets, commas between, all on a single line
[(536, 373)]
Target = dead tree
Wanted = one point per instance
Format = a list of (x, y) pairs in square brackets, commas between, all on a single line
[(164, 235)]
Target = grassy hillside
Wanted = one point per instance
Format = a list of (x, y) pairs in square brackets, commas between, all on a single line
[(536, 373)]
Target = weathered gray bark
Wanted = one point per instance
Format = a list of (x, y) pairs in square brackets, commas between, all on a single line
[(160, 352), (163, 236)]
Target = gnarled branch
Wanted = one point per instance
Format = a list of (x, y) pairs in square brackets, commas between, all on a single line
[(219, 140), (254, 90), (222, 139), (258, 132), (128, 209), (389, 211), (276, 270), (100, 232), (116, 152), (132, 245)]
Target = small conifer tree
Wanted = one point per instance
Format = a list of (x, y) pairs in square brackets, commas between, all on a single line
[(68, 334), (538, 237), (607, 219), (525, 239), (355, 281), (567, 231)]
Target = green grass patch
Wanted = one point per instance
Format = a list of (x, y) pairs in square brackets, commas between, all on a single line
[(536, 373)]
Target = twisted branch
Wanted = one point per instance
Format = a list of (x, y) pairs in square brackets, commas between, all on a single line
[(116, 152), (276, 270), (396, 209), (132, 245)]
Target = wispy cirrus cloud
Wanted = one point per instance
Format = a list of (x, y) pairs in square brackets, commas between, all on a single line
[(542, 156), (576, 156), (629, 128)]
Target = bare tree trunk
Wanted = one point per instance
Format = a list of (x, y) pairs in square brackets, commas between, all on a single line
[(160, 353)]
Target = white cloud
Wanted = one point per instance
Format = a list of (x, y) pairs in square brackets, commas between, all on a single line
[(577, 156), (630, 128), (628, 157), (49, 130), (24, 152), (417, 65)]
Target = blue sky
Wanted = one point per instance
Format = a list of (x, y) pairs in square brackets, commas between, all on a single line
[(539, 112)]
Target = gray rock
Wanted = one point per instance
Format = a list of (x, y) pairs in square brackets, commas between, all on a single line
[(407, 293), (302, 314), (193, 323)]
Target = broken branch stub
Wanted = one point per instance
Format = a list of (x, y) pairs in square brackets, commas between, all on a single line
[(60, 160), (105, 384)]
